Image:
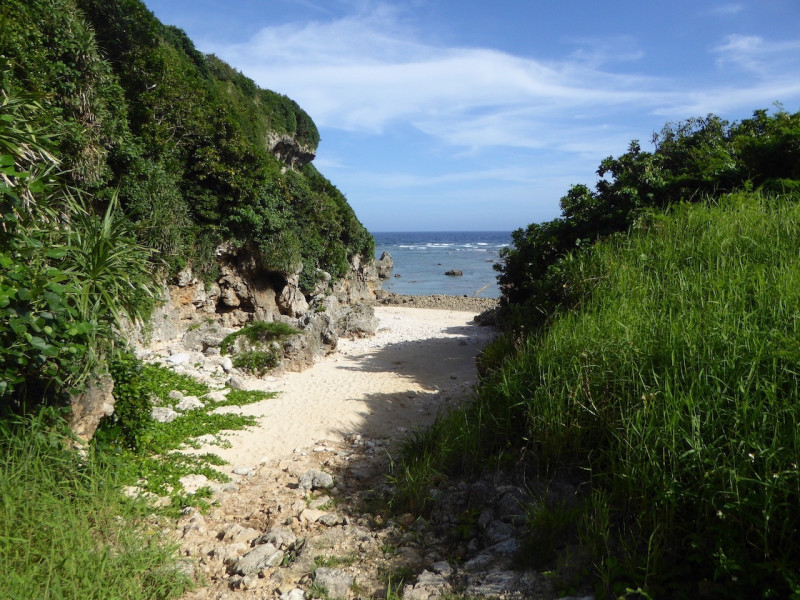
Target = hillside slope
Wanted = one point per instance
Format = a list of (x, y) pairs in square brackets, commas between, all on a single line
[(198, 153)]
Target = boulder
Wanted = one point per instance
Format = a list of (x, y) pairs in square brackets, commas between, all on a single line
[(314, 480), (384, 265), (291, 301), (454, 273), (163, 414), (335, 581), (261, 557), (90, 406), (357, 321)]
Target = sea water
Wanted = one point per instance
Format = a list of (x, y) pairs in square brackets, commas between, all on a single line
[(422, 258)]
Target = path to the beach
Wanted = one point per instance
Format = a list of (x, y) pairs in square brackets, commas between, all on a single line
[(419, 361)]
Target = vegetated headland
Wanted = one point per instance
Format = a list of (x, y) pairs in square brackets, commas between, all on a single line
[(640, 407)]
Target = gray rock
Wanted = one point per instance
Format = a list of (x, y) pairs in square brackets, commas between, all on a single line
[(184, 278), (384, 265), (215, 396), (335, 581), (315, 480), (498, 531), (226, 363), (209, 334), (175, 395), (295, 594), (357, 321), (237, 383), (506, 547), (261, 557), (237, 533), (244, 470), (178, 358), (310, 515), (331, 519), (189, 403), (442, 568), (454, 273), (163, 414), (429, 586), (495, 583), (281, 538)]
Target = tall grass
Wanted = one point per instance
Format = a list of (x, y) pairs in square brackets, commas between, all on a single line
[(676, 385), (66, 532)]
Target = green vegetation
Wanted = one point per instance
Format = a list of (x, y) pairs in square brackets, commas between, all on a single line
[(134, 107), (693, 160), (660, 363), (66, 532), (126, 155), (145, 451), (258, 349)]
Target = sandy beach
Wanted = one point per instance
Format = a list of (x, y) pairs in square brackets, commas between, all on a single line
[(419, 362)]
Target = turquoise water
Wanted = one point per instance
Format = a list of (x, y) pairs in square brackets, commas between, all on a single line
[(421, 259)]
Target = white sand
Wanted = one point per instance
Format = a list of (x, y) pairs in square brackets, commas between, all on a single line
[(419, 361)]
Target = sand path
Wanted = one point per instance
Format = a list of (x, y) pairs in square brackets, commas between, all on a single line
[(419, 361)]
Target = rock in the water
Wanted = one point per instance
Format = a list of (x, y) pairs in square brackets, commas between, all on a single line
[(335, 581), (454, 273), (384, 265), (252, 563), (315, 480), (163, 414)]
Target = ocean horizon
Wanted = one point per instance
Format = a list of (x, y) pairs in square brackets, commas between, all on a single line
[(421, 259)]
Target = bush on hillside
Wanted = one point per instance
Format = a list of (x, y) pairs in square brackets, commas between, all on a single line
[(692, 160)]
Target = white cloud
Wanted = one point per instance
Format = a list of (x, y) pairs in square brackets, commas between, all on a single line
[(727, 9), (369, 71), (757, 55), (366, 72)]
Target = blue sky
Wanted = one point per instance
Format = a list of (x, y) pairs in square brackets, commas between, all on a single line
[(479, 115)]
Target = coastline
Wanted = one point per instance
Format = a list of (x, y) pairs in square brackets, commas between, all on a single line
[(436, 301), (419, 361)]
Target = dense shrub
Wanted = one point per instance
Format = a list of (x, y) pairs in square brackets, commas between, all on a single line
[(692, 160), (675, 388), (180, 136)]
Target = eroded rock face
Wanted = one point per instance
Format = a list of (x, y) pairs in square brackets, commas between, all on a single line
[(384, 265), (288, 150), (91, 405)]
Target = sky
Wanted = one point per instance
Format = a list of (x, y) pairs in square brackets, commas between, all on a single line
[(478, 115)]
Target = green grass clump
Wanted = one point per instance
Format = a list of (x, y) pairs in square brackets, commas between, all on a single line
[(675, 385), (259, 354), (67, 532), (258, 332)]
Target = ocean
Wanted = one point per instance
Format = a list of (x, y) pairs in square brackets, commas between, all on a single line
[(422, 258)]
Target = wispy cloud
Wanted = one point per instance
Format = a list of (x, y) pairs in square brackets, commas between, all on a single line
[(371, 69), (727, 9), (757, 55)]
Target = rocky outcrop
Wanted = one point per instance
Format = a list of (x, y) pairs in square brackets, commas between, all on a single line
[(288, 150), (384, 265), (90, 406), (360, 284)]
